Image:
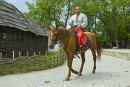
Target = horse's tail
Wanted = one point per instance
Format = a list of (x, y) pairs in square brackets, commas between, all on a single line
[(99, 48)]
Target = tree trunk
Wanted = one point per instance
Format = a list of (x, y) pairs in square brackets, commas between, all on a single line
[(115, 25), (68, 12)]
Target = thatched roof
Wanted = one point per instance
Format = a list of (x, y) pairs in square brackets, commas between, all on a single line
[(10, 16), (35, 28)]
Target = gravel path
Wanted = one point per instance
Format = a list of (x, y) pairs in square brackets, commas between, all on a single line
[(111, 72)]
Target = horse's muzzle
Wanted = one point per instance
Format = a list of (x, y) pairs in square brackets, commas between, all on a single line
[(51, 47)]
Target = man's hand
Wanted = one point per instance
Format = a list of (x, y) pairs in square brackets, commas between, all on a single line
[(79, 25)]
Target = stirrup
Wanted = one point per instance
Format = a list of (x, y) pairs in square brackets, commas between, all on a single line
[(81, 46)]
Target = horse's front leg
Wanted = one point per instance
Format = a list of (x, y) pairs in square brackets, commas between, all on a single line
[(69, 64), (82, 62)]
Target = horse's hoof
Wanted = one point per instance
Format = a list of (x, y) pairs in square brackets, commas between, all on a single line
[(66, 79), (79, 74), (93, 72), (75, 72)]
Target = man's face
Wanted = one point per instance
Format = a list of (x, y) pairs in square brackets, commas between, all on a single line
[(77, 9)]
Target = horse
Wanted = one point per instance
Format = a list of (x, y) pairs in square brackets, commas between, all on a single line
[(67, 39)]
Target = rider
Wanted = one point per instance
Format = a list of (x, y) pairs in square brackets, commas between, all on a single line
[(78, 22)]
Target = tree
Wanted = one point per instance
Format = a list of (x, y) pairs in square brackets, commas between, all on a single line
[(113, 15), (45, 11)]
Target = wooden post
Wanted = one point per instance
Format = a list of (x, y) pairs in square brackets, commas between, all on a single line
[(46, 52), (39, 52), (13, 54), (27, 54), (19, 54), (1, 55), (34, 54)]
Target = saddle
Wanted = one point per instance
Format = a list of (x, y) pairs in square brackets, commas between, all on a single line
[(74, 32)]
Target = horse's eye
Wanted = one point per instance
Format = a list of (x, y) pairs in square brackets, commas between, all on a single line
[(53, 37)]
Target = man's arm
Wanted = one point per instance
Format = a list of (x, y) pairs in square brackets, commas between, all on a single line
[(69, 24), (85, 21)]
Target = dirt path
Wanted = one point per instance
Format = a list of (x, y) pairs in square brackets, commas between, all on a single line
[(111, 72)]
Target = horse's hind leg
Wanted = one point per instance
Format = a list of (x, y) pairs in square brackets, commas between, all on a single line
[(82, 62), (74, 71), (94, 59)]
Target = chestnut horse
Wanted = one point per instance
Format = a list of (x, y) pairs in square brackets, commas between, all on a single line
[(68, 41)]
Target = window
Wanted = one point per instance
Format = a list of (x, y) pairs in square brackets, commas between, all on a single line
[(4, 35), (14, 35), (21, 36)]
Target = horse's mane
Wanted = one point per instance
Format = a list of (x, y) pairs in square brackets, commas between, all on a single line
[(63, 30)]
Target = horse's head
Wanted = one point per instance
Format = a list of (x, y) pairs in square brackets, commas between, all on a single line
[(53, 32)]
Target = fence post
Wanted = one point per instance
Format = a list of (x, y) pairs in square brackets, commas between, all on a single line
[(1, 55), (39, 52), (46, 52), (27, 54), (19, 54), (34, 54), (13, 54)]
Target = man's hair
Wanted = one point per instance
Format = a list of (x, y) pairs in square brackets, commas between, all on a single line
[(77, 6)]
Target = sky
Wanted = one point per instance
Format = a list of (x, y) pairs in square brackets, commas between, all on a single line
[(20, 4)]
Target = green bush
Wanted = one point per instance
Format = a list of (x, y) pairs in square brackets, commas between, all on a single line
[(128, 35), (34, 63)]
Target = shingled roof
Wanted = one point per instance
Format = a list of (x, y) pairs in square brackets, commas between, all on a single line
[(10, 16)]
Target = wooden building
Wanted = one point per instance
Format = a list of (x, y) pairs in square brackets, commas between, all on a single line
[(19, 36)]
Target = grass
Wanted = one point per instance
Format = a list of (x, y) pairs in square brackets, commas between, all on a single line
[(34, 63)]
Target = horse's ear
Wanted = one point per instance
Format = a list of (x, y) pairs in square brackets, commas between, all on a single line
[(54, 24), (50, 27)]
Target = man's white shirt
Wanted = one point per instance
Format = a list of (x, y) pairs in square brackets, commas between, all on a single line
[(81, 20)]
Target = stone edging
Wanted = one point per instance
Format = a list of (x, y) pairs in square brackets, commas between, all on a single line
[(113, 53)]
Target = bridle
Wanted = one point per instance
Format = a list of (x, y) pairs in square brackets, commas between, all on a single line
[(54, 39)]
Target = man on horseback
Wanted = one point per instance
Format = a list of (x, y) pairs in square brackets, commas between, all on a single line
[(78, 22)]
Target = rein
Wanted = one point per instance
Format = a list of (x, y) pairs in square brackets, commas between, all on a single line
[(69, 44)]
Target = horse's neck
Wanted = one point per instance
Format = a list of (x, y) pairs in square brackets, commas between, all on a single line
[(64, 36)]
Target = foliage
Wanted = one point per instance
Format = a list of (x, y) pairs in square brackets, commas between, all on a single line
[(45, 11), (113, 15), (128, 35)]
